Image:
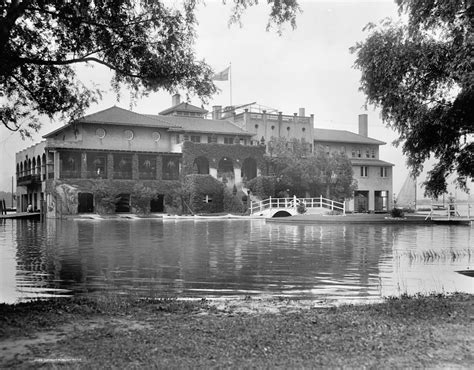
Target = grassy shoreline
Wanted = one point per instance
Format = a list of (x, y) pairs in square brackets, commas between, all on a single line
[(423, 331)]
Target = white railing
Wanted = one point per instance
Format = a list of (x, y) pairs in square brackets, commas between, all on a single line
[(286, 203)]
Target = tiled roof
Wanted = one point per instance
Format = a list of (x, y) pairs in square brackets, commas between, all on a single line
[(184, 107), (369, 162), (343, 136), (194, 124), (117, 116)]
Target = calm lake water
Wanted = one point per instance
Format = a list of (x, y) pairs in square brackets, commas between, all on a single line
[(224, 258)]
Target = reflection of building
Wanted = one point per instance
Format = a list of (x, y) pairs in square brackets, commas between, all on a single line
[(159, 150)]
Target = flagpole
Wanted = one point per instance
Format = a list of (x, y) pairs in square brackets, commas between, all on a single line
[(230, 79)]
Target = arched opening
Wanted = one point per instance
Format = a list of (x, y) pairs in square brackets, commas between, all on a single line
[(33, 169), (24, 170), (38, 165), (249, 168), (29, 167), (19, 168), (201, 166), (225, 170), (44, 166), (282, 214)]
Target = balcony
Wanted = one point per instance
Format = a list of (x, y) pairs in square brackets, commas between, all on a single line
[(29, 180)]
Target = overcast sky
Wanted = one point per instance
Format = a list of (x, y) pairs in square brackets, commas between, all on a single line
[(308, 67)]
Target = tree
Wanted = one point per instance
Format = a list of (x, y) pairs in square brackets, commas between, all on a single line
[(147, 45), (302, 172), (421, 76)]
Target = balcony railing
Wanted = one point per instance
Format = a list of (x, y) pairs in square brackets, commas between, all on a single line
[(29, 180), (95, 175)]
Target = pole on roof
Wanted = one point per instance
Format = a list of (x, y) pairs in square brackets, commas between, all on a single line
[(230, 80)]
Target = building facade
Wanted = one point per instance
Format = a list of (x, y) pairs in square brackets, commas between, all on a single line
[(125, 148)]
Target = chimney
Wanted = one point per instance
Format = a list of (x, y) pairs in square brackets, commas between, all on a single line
[(301, 114), (175, 100), (217, 112), (363, 125)]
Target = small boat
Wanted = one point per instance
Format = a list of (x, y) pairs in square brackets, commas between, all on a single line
[(466, 272)]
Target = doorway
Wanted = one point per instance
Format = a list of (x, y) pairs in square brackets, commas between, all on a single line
[(85, 203), (361, 201), (156, 204)]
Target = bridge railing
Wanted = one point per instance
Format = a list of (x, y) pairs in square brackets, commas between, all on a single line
[(285, 203)]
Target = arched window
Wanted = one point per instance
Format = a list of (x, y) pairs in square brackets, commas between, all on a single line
[(38, 165), (201, 166)]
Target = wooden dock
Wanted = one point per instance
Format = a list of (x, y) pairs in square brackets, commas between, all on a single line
[(31, 215), (453, 220)]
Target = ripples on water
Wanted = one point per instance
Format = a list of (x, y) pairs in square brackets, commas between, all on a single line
[(167, 258)]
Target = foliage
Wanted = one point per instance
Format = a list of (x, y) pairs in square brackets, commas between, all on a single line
[(262, 186), (106, 197), (300, 172), (148, 46), (173, 202), (141, 197), (197, 187), (301, 208), (420, 75), (232, 203), (396, 213)]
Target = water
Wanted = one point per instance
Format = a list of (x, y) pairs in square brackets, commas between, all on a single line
[(227, 258)]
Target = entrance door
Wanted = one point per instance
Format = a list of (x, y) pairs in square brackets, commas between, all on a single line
[(156, 205), (86, 203), (361, 201)]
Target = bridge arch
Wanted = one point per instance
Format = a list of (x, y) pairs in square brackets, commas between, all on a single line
[(282, 213)]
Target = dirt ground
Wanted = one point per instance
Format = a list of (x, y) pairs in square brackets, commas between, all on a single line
[(432, 331)]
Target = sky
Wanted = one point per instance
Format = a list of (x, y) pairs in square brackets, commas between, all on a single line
[(310, 67)]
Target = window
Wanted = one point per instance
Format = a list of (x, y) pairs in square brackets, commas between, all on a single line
[(383, 172), (367, 153), (358, 153), (195, 138), (303, 129), (228, 140), (273, 127), (185, 137), (256, 126), (212, 139), (373, 153), (364, 170), (353, 153)]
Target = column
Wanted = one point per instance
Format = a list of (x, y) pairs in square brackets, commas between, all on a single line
[(83, 165)]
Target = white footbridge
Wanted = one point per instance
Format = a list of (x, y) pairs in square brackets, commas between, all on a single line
[(281, 207)]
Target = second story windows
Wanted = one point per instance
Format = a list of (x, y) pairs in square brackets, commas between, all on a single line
[(383, 171), (228, 140), (372, 153), (195, 138), (364, 171)]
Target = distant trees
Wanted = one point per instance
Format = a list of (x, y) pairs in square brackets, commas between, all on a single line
[(421, 75)]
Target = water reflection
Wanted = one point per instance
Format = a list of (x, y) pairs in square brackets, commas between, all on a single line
[(230, 257)]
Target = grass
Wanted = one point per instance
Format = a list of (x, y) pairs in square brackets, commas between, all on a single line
[(421, 331)]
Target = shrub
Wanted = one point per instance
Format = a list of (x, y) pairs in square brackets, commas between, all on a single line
[(396, 213), (106, 197), (301, 208), (141, 197), (232, 203), (262, 186), (203, 193)]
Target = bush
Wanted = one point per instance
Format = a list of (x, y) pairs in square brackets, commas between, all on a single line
[(203, 193), (141, 197), (173, 202), (106, 197), (232, 203), (396, 213), (262, 186), (300, 208)]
